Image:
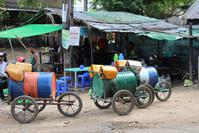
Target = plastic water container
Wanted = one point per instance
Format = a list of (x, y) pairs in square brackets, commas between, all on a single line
[(15, 72), (30, 84), (46, 85), (115, 58), (121, 56), (15, 88), (149, 75), (26, 66)]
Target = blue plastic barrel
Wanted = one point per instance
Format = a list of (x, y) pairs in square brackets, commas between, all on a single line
[(149, 75), (46, 85), (153, 76), (15, 88)]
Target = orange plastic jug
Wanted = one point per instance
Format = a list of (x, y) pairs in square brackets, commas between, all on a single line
[(109, 72), (94, 69)]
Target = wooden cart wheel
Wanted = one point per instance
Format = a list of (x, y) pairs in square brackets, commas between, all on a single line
[(164, 91), (101, 104), (143, 96), (123, 102), (69, 104), (153, 94), (20, 109)]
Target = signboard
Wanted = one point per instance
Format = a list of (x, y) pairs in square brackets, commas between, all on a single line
[(74, 36), (65, 39)]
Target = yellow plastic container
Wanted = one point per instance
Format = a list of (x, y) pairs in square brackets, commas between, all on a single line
[(109, 72), (119, 64), (26, 66), (15, 72), (94, 69)]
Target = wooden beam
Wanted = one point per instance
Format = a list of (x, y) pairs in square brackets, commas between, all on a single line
[(190, 53)]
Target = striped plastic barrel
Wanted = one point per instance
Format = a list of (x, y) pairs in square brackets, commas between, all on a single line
[(16, 88)]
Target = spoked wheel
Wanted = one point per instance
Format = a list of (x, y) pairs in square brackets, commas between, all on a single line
[(163, 91), (153, 94), (20, 109), (143, 96), (69, 104), (101, 104), (123, 102)]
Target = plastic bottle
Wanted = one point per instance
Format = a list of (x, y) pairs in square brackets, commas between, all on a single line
[(121, 56), (115, 58)]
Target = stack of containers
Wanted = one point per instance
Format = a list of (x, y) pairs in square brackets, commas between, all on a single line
[(35, 84)]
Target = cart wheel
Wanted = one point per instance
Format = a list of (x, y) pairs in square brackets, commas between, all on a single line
[(69, 104), (102, 104), (153, 94), (123, 102), (164, 91), (144, 96), (20, 109)]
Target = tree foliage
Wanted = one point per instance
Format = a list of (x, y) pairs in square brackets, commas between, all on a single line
[(33, 4), (153, 8)]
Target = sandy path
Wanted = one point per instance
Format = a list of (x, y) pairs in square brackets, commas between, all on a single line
[(179, 114)]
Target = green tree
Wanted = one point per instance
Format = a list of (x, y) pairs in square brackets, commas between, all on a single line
[(33, 4), (2, 3), (4, 15), (153, 8)]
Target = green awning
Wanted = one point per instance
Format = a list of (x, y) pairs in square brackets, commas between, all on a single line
[(160, 36), (29, 30)]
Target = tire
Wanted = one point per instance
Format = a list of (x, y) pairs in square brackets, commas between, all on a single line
[(120, 97), (26, 103), (104, 105), (153, 94), (69, 103), (167, 95), (143, 96)]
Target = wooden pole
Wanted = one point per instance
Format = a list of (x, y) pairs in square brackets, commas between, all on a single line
[(198, 68), (13, 52), (91, 43), (190, 53), (71, 8), (24, 46), (85, 5)]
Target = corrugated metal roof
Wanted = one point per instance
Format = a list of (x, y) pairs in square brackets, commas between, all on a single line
[(192, 12), (119, 17), (128, 22)]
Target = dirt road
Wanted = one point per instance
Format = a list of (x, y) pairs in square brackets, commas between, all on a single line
[(180, 114)]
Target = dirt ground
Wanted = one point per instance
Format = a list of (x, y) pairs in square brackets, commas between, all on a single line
[(180, 114)]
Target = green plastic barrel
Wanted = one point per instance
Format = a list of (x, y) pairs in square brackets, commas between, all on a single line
[(107, 88)]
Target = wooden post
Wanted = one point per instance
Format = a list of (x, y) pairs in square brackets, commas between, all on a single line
[(198, 68), (85, 5), (91, 43), (40, 57), (71, 8), (190, 53), (10, 42)]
